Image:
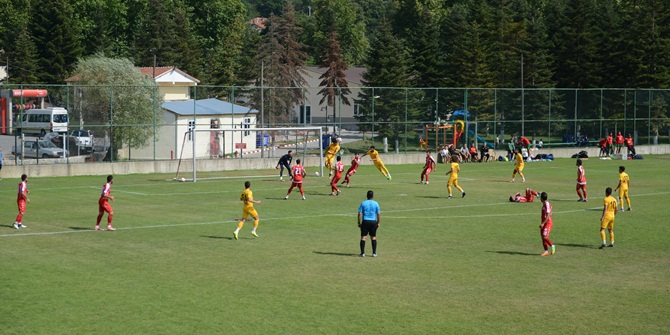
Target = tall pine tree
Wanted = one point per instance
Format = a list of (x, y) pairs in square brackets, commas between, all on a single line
[(56, 38)]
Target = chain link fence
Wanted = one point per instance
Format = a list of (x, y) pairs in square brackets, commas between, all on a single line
[(152, 127)]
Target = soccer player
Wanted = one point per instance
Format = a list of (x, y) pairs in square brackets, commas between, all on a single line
[(248, 209), (104, 206), (339, 168), (624, 182), (581, 182), (428, 167), (285, 162), (453, 179), (546, 225), (352, 169), (629, 144), (607, 219), (524, 142), (374, 155), (619, 142), (529, 197), (518, 167), (369, 216), (298, 174), (609, 142), (21, 200), (330, 154)]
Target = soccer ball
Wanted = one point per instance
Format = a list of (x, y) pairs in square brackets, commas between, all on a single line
[(182, 179), (316, 173)]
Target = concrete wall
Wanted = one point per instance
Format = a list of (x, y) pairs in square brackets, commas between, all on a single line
[(47, 168)]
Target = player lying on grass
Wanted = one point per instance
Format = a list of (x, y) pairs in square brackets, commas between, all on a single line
[(529, 197)]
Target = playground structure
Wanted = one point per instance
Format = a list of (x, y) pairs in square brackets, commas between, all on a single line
[(441, 131)]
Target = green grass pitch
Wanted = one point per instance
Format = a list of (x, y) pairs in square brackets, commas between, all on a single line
[(461, 266)]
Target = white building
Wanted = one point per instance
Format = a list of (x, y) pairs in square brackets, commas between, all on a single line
[(211, 118), (172, 82), (312, 112)]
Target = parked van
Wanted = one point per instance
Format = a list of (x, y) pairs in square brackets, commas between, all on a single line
[(42, 121)]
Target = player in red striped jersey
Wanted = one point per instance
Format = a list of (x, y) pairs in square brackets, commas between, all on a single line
[(104, 206), (581, 181), (352, 169), (428, 167), (21, 200), (546, 225), (529, 197), (339, 168), (299, 173)]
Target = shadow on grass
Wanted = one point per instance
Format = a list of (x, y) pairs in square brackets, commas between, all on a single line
[(430, 197), (335, 253), (574, 245), (219, 237), (515, 253), (81, 228)]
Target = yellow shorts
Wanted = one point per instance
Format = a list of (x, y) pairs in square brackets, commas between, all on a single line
[(329, 160), (452, 181), (518, 168), (378, 164), (623, 194), (246, 212), (607, 223)]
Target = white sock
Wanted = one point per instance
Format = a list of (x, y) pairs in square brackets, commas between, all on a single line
[(237, 230)]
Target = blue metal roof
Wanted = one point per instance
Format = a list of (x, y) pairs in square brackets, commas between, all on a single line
[(207, 107)]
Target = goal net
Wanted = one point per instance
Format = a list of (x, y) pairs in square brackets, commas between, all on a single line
[(225, 153)]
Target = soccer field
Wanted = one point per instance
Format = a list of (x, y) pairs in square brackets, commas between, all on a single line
[(460, 266)]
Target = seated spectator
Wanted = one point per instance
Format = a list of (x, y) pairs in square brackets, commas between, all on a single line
[(473, 153), (445, 154), (465, 154), (485, 153), (529, 197)]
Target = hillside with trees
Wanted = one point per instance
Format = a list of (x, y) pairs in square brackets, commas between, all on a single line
[(454, 43)]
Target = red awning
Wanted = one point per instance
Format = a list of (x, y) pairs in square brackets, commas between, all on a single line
[(29, 93)]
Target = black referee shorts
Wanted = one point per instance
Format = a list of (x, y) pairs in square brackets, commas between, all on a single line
[(369, 227)]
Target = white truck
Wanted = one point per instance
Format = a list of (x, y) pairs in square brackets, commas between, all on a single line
[(39, 148)]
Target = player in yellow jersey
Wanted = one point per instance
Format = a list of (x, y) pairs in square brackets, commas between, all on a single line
[(518, 167), (332, 151), (453, 179), (374, 155), (607, 219), (248, 210), (624, 182)]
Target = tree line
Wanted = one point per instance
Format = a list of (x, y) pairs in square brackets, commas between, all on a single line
[(453, 43)]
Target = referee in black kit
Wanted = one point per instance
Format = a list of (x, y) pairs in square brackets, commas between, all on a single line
[(368, 220)]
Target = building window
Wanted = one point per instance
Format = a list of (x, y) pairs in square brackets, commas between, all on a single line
[(214, 124), (305, 116), (357, 110), (247, 125), (191, 127)]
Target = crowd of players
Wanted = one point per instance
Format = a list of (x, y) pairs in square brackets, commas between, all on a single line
[(335, 166)]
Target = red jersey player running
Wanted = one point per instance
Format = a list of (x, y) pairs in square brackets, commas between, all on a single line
[(546, 225), (530, 196), (21, 200), (428, 167), (354, 166), (298, 173), (339, 168), (104, 206), (581, 182)]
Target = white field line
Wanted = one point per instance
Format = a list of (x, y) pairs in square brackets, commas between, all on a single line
[(317, 216)]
